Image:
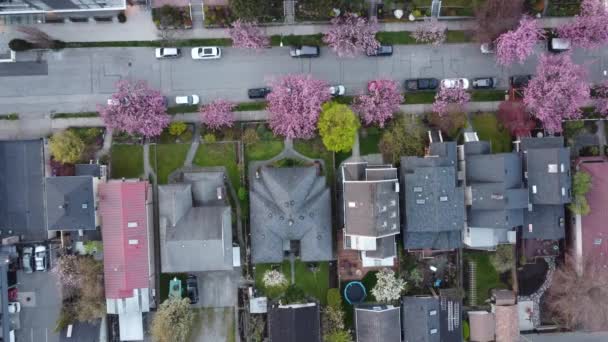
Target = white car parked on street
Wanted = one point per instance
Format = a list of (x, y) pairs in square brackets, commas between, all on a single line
[(455, 82), (14, 307), (206, 52), (187, 100), (168, 52)]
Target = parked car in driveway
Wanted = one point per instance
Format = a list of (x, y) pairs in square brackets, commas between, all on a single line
[(192, 288), (14, 307), (26, 259), (305, 51), (206, 52), (337, 90), (258, 93), (421, 84), (484, 82), (187, 100), (519, 81), (455, 82), (383, 50), (168, 52), (40, 258)]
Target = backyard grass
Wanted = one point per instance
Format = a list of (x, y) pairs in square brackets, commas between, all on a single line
[(368, 143), (127, 161), (487, 276), (314, 284), (165, 278), (263, 150), (487, 127), (219, 154), (166, 158)]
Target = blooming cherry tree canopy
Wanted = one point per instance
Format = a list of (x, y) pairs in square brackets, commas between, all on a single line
[(430, 31), (388, 287), (601, 98), (295, 104), (380, 104), (350, 34), (589, 29), (247, 35), (450, 99), (557, 91), (518, 44), (136, 109), (217, 114)]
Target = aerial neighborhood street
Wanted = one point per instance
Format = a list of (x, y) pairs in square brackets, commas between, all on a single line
[(303, 170)]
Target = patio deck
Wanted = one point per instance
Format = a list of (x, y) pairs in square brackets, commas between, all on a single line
[(350, 266)]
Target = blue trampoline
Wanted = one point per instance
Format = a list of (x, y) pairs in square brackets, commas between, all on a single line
[(354, 292)]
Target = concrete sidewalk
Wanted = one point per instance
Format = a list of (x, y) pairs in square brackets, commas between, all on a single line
[(139, 26)]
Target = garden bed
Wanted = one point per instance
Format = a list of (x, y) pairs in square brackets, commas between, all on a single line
[(322, 10), (172, 17), (313, 283)]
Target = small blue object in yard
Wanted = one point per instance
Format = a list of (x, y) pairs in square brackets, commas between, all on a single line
[(438, 283), (175, 288), (354, 292)]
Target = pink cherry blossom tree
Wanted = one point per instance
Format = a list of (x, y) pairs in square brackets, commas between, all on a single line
[(247, 35), (601, 98), (557, 91), (518, 44), (217, 114), (136, 109), (430, 31), (295, 104), (381, 102), (450, 100), (589, 29), (350, 34)]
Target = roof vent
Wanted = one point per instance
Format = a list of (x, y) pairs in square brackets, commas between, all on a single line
[(396, 186), (420, 201), (85, 205), (417, 189), (533, 189), (497, 197), (443, 198), (352, 204), (563, 191), (562, 168), (383, 209), (269, 215), (290, 222), (394, 226), (393, 214), (281, 218), (132, 225), (301, 217), (393, 203)]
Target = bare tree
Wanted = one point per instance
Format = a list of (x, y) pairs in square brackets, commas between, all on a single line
[(580, 299)]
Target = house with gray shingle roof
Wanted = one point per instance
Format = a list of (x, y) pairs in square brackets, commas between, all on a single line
[(433, 319), (195, 224), (294, 323), (374, 323), (370, 201), (290, 213), (433, 199), (71, 203)]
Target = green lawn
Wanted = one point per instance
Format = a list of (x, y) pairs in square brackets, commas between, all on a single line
[(487, 276), (368, 144), (487, 127), (166, 158), (219, 154), (487, 95), (263, 150), (420, 97), (127, 161), (315, 149), (314, 284)]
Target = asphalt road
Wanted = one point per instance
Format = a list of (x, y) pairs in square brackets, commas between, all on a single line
[(79, 79)]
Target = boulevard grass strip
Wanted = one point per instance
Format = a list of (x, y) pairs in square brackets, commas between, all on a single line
[(488, 95), (75, 115), (11, 116), (152, 43), (240, 107), (405, 37), (127, 161), (166, 158), (488, 128), (420, 97)]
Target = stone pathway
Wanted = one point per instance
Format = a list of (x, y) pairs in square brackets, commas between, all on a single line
[(535, 297), (147, 168), (356, 153), (601, 135), (107, 144), (196, 141)]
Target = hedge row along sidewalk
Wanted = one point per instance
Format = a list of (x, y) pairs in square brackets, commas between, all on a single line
[(393, 37)]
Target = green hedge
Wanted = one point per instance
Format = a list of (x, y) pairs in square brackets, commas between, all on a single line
[(75, 115), (11, 116)]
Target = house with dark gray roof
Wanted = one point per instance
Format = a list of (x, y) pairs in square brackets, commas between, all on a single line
[(22, 190), (91, 169), (71, 203), (433, 199), (370, 201), (432, 319), (195, 224), (294, 323), (548, 179), (290, 213), (375, 323)]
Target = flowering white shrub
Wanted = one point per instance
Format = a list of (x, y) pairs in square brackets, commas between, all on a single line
[(274, 278), (388, 287)]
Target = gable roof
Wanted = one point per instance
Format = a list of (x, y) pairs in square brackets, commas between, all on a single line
[(22, 190), (378, 323), (294, 323), (70, 203), (371, 200), (290, 204), (434, 203), (124, 218), (195, 224), (547, 164)]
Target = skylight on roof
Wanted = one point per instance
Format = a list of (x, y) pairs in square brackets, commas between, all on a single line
[(552, 168), (352, 204), (420, 201), (417, 189), (133, 242), (533, 189), (132, 225), (443, 198)]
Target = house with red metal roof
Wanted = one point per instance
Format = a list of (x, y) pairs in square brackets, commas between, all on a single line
[(590, 234), (125, 209)]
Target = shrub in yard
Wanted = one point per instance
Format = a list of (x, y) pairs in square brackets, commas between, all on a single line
[(388, 287), (66, 147), (405, 136), (20, 45), (250, 136), (581, 184), (274, 278), (209, 138), (242, 194), (294, 295), (339, 336), (338, 127), (173, 321), (514, 117), (503, 259), (177, 128), (450, 123), (415, 277), (334, 298)]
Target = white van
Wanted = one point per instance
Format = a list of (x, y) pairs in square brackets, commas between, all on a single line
[(558, 44), (168, 52)]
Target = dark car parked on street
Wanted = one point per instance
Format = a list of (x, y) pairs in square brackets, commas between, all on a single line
[(383, 50), (519, 81), (485, 82), (421, 84), (192, 288), (258, 93)]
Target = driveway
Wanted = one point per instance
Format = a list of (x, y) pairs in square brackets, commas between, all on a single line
[(218, 289), (79, 79), (214, 325), (40, 305)]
